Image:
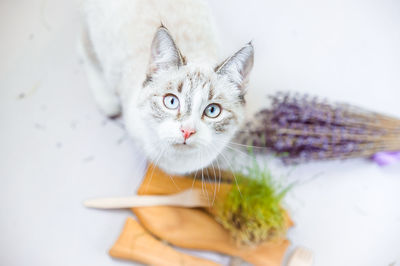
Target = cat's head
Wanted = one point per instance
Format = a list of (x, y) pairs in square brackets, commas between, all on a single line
[(190, 113)]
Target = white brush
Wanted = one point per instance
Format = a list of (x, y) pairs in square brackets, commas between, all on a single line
[(301, 257)]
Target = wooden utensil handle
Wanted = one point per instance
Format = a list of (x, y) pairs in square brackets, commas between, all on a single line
[(135, 243), (128, 202)]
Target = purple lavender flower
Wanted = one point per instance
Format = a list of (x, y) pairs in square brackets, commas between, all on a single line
[(301, 128), (386, 158)]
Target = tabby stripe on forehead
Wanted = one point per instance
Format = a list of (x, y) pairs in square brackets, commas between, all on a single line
[(210, 92), (180, 87), (189, 77), (188, 101), (169, 87)]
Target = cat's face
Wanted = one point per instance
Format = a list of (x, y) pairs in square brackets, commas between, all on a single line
[(190, 113)]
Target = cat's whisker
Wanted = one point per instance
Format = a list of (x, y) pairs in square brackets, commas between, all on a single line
[(209, 147), (204, 183), (173, 181), (215, 183), (238, 150), (194, 178), (207, 175), (155, 164), (229, 165), (215, 179), (227, 145), (233, 172), (247, 146), (202, 176), (244, 145), (220, 174), (152, 169)]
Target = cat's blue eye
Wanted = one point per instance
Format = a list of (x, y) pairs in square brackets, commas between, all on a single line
[(213, 110), (171, 101)]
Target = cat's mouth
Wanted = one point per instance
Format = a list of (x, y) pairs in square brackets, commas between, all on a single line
[(183, 146)]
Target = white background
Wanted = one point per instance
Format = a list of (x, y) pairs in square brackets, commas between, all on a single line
[(56, 149)]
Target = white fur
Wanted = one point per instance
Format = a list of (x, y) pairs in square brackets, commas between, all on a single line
[(119, 54)]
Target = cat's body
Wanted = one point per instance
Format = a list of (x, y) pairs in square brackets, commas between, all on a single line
[(166, 83)]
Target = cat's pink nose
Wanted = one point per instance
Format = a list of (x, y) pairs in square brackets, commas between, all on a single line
[(187, 132)]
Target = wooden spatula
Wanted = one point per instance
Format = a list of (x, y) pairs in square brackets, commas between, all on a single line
[(136, 244)]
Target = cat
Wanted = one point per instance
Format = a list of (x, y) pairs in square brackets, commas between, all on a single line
[(156, 62)]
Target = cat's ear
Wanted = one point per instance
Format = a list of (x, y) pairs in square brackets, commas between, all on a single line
[(164, 53), (237, 67)]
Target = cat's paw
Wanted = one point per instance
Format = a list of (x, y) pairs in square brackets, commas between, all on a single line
[(110, 106)]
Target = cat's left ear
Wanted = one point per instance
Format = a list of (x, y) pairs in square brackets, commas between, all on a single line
[(164, 53), (237, 67)]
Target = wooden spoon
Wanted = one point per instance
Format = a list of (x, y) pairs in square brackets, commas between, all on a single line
[(185, 198)]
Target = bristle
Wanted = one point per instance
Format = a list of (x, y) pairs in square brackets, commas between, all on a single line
[(302, 128)]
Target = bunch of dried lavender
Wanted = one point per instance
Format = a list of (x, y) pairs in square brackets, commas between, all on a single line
[(301, 128)]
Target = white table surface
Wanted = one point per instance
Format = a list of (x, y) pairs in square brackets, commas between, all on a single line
[(56, 149)]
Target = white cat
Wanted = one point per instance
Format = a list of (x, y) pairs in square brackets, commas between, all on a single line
[(177, 102)]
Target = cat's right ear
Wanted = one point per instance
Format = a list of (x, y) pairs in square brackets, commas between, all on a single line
[(238, 67), (164, 53)]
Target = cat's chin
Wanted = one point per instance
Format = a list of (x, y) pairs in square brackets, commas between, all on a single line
[(184, 147), (176, 168), (184, 159)]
